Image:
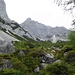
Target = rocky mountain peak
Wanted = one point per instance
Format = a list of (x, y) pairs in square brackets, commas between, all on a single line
[(3, 13), (29, 19), (42, 31)]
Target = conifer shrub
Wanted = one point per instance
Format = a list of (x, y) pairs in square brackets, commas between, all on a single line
[(18, 65), (10, 71), (71, 38), (66, 48), (70, 58), (59, 55), (58, 69)]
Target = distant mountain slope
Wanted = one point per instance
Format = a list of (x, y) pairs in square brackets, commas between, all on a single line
[(41, 31)]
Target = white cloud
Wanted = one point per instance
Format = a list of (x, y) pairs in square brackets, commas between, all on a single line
[(44, 11)]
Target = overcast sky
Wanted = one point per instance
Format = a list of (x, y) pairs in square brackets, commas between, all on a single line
[(43, 11)]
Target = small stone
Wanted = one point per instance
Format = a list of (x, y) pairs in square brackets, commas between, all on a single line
[(37, 69)]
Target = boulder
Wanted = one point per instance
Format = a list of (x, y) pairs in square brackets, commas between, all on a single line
[(5, 63), (37, 69), (43, 65), (47, 58), (6, 47)]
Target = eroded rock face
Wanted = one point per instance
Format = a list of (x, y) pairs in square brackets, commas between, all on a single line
[(3, 12), (6, 47)]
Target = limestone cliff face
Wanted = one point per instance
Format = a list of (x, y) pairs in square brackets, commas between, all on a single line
[(3, 13)]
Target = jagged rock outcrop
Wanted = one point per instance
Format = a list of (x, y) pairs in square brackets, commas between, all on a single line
[(3, 13), (41, 31)]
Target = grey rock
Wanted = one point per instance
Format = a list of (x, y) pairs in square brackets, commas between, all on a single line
[(57, 61), (5, 37), (43, 61), (21, 53), (43, 65), (37, 69), (53, 51), (5, 63), (3, 12), (47, 58), (6, 47), (58, 49), (50, 55), (65, 53)]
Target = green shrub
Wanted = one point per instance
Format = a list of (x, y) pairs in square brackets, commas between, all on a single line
[(31, 62), (71, 38), (59, 55), (44, 72), (37, 53), (70, 57), (66, 48), (10, 72), (58, 69), (5, 56), (59, 44), (18, 65)]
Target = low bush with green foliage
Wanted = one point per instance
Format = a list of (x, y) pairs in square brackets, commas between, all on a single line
[(66, 48), (71, 38), (59, 44), (56, 69), (27, 57), (70, 57), (10, 72)]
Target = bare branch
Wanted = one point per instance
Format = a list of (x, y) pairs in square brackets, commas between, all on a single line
[(68, 5)]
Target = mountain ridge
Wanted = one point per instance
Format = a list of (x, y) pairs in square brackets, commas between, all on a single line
[(41, 31), (30, 28)]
